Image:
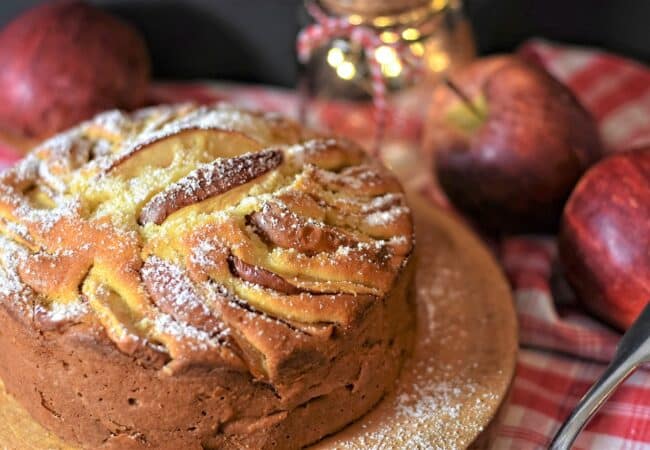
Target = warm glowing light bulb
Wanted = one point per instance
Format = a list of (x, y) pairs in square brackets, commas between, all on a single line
[(389, 37), (346, 70), (438, 61), (438, 5), (417, 48), (355, 19), (335, 56), (385, 54), (411, 34), (382, 21), (392, 69)]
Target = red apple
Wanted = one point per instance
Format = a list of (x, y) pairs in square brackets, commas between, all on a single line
[(510, 153), (64, 61), (605, 237)]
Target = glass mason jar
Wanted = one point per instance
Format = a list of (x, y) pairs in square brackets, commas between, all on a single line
[(336, 81)]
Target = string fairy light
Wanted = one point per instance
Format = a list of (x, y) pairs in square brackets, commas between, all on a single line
[(393, 55)]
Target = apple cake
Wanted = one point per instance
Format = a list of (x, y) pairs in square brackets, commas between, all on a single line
[(201, 277)]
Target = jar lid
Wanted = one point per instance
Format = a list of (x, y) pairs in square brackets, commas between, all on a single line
[(384, 13), (373, 7)]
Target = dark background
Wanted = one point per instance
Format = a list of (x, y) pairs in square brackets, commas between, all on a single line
[(252, 40)]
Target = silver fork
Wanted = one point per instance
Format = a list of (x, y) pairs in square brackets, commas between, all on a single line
[(632, 351)]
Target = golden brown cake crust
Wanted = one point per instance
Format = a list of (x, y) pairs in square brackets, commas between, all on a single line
[(201, 277)]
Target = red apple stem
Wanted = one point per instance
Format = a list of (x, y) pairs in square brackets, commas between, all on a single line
[(464, 97)]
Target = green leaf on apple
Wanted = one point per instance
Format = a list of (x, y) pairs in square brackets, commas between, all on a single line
[(466, 120)]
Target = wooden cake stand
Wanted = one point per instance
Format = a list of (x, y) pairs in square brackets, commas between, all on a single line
[(462, 363)]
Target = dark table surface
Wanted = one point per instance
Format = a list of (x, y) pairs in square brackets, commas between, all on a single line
[(253, 40)]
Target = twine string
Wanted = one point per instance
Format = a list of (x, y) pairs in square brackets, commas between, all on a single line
[(327, 28)]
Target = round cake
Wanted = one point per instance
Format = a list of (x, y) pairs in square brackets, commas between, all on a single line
[(201, 278)]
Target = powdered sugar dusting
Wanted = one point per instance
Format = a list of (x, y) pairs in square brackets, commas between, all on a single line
[(17, 229), (201, 254), (251, 314), (383, 218), (164, 324), (46, 219), (175, 293), (64, 312), (223, 117), (382, 202), (24, 171), (11, 287), (311, 147), (169, 278)]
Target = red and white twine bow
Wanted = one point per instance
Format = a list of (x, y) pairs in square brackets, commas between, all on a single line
[(327, 28)]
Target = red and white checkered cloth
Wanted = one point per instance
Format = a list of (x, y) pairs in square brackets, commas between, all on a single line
[(563, 350)]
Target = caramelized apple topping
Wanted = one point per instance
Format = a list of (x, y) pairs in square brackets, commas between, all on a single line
[(160, 148), (279, 226), (175, 294), (263, 277), (208, 181)]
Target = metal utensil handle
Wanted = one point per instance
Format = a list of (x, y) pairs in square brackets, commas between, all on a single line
[(633, 350)]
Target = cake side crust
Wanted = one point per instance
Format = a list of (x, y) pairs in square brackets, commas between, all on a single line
[(77, 384)]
